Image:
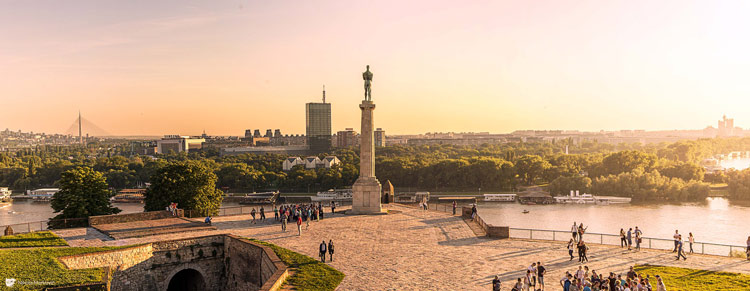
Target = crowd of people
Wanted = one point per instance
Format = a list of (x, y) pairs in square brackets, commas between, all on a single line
[(584, 279)]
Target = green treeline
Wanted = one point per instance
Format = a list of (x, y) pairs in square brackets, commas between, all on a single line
[(667, 171)]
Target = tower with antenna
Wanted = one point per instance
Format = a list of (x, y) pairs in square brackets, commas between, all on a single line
[(80, 127), (324, 93)]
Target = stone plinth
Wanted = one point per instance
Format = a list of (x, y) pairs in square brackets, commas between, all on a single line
[(366, 196)]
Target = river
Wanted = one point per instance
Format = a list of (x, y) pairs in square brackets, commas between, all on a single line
[(716, 221)]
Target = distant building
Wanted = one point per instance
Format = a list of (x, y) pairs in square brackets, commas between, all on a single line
[(5, 192), (256, 150), (347, 138), (311, 162), (178, 144), (379, 137), (726, 127), (290, 162), (318, 125), (288, 140), (43, 192)]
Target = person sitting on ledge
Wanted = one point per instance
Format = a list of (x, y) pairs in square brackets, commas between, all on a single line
[(208, 220)]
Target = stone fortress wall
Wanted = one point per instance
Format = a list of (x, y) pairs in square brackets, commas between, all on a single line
[(222, 262)]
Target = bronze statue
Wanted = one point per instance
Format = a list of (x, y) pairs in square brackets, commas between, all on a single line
[(367, 76)]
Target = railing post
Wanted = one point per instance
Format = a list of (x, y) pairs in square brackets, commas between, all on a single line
[(553, 235), (28, 225), (730, 250), (703, 247), (649, 243)]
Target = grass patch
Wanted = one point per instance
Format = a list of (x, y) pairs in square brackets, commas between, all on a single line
[(32, 239), (41, 265), (695, 280), (310, 274)]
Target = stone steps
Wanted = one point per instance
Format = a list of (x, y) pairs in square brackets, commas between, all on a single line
[(475, 227)]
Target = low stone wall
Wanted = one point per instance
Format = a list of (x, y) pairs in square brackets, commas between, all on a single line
[(491, 230), (130, 217), (117, 259), (252, 266)]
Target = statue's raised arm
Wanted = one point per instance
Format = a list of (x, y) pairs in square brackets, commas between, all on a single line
[(367, 76)]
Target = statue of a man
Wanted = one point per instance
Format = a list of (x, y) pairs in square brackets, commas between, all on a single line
[(367, 76)]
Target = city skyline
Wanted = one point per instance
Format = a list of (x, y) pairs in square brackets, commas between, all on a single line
[(147, 68)]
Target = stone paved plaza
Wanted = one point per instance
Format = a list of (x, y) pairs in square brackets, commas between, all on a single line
[(412, 249)]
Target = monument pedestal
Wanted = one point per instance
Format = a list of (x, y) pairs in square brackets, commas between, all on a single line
[(366, 196), (366, 190)]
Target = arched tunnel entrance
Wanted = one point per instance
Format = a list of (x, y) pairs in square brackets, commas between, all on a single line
[(187, 280)]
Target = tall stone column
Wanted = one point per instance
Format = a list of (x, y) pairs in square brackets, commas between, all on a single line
[(366, 196)]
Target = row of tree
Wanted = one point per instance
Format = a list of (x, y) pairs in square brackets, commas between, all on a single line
[(589, 166)]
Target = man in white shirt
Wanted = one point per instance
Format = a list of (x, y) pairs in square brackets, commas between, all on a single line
[(574, 231), (676, 240), (532, 269)]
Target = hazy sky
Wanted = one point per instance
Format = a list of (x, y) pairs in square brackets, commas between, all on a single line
[(179, 67)]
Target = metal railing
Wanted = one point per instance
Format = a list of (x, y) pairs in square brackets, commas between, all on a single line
[(247, 209), (646, 242), (27, 227)]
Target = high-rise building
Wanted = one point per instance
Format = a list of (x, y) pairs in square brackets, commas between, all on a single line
[(318, 120), (346, 138), (726, 127), (379, 137)]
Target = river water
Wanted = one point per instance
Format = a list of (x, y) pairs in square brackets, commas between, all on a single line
[(715, 221)]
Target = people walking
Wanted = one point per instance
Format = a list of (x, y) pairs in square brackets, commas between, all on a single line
[(532, 280), (583, 248), (638, 234), (541, 271), (333, 207), (630, 237), (680, 253), (747, 251), (323, 251), (330, 249), (252, 213), (571, 245), (574, 231), (454, 207), (283, 221), (581, 231), (275, 213), (299, 225), (262, 213), (496, 283), (623, 240), (691, 240), (474, 212), (676, 240)]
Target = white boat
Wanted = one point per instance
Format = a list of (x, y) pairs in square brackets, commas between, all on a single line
[(499, 197), (576, 198), (5, 194), (333, 195)]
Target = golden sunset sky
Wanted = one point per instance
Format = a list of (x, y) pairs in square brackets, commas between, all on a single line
[(179, 67)]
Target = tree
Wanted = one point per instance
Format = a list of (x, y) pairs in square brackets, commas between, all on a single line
[(529, 167), (563, 185), (83, 193), (190, 184)]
